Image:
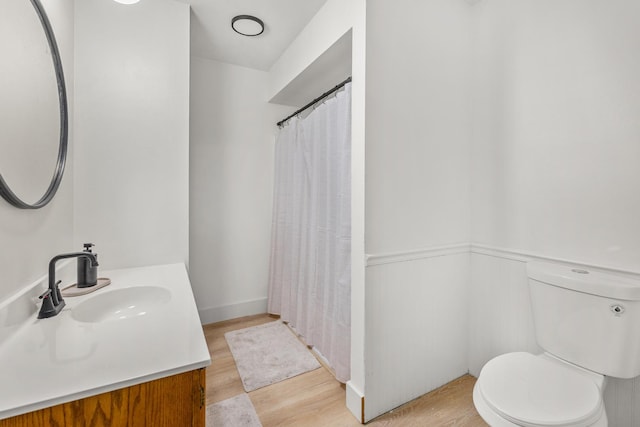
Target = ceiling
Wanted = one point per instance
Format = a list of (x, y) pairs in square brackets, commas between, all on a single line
[(213, 38)]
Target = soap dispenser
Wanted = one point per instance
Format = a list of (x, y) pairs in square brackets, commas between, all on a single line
[(87, 274)]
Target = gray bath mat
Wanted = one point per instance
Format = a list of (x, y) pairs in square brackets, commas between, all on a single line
[(237, 411), (268, 353)]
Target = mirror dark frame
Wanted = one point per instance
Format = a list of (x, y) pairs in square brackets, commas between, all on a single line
[(5, 191)]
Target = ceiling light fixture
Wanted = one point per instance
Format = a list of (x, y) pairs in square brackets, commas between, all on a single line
[(127, 1), (247, 25)]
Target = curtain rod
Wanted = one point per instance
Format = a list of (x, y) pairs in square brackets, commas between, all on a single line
[(321, 97)]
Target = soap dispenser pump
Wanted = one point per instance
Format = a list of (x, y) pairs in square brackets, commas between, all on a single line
[(87, 274)]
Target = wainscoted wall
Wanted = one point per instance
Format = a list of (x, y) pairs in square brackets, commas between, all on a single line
[(416, 195), (555, 152), (500, 321), (416, 324), (438, 313)]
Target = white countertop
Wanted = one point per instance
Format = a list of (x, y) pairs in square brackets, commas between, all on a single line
[(45, 362)]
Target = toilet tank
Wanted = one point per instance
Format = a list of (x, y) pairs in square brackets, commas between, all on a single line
[(590, 318)]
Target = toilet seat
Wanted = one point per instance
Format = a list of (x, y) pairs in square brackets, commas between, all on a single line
[(537, 391)]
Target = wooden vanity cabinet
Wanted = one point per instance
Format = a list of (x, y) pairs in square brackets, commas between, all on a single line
[(178, 400)]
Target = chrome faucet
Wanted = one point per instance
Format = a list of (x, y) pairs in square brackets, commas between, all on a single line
[(52, 302)]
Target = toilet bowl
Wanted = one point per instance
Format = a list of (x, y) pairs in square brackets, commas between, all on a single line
[(522, 389), (588, 324)]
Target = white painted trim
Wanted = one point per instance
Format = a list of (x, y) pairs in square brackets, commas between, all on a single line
[(232, 311), (525, 256), (355, 401), (510, 254), (477, 248), (415, 254)]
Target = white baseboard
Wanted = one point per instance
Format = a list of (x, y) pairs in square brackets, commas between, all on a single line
[(232, 311), (355, 401)]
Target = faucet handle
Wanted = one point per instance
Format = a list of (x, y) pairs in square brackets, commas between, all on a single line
[(52, 302), (88, 246), (45, 294), (48, 308), (53, 294)]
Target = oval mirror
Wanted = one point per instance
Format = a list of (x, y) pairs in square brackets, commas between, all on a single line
[(33, 106)]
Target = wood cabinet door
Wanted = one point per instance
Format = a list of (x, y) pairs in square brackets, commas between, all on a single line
[(167, 402)]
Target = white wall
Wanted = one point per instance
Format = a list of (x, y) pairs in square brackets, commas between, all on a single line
[(418, 93), (417, 197), (556, 129), (555, 160), (355, 386), (232, 141), (132, 131), (30, 238), (331, 22)]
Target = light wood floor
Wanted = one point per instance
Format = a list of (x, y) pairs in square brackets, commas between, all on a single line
[(317, 399)]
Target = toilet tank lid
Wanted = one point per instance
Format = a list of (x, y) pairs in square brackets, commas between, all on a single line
[(587, 280)]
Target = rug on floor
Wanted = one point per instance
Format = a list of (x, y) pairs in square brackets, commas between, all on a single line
[(237, 411), (268, 353)]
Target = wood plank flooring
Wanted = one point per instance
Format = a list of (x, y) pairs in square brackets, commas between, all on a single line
[(316, 399)]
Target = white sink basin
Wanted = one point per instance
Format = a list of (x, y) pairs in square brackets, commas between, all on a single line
[(121, 304)]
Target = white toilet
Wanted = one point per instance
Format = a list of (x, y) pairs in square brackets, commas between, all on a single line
[(588, 323)]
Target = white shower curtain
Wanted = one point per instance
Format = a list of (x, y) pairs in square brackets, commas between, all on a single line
[(310, 271)]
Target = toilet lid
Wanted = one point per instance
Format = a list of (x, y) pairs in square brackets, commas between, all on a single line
[(535, 391)]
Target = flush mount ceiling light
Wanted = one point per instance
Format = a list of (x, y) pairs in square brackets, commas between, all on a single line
[(127, 1), (247, 25)]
